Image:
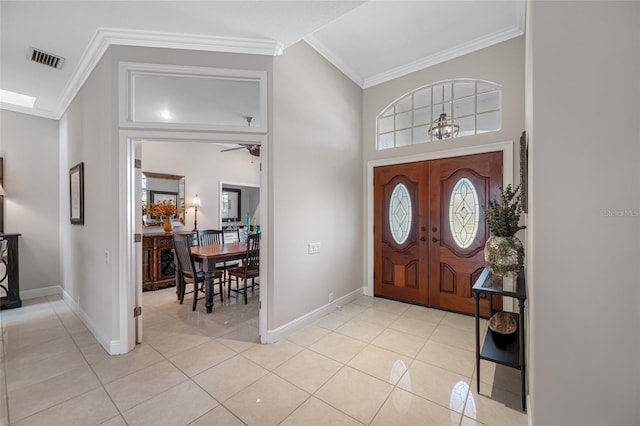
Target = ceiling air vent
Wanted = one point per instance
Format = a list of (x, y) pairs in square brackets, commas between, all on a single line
[(45, 58)]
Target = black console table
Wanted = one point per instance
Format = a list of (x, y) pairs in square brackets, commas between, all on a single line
[(509, 352), (10, 279)]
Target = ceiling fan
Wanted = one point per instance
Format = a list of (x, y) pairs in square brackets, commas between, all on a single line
[(253, 148)]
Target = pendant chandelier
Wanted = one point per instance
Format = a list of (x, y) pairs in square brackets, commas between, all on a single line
[(443, 127)]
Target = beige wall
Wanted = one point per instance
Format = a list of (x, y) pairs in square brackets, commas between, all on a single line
[(29, 146), (203, 166), (314, 160), (584, 274), (502, 64), (87, 134), (315, 184)]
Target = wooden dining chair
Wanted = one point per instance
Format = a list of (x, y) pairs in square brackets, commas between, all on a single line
[(210, 236), (231, 235), (250, 269), (189, 274)]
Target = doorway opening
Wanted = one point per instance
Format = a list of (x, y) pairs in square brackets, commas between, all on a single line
[(130, 258)]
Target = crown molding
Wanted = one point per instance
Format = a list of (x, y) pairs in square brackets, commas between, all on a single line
[(457, 51), (313, 41), (106, 37), (29, 111)]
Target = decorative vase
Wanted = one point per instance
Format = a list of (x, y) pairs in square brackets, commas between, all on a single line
[(504, 256), (166, 225)]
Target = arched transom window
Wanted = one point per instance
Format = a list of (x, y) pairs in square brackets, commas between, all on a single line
[(443, 110)]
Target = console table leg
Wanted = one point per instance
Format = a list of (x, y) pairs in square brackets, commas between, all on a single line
[(477, 297), (523, 370)]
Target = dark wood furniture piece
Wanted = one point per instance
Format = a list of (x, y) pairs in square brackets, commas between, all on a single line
[(10, 279), (188, 273), (249, 270), (505, 350), (210, 236), (213, 254), (158, 266)]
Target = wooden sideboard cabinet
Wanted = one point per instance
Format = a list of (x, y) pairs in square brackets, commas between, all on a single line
[(158, 267)]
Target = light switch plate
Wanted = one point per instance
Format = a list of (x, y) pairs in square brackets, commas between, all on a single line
[(314, 248)]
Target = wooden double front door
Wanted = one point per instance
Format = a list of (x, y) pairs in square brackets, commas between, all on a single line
[(430, 229)]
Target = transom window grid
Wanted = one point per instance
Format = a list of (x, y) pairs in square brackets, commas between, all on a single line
[(475, 105)]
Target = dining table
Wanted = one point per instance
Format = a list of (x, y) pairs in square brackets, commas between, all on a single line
[(210, 256)]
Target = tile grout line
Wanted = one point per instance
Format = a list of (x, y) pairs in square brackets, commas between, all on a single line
[(49, 303), (102, 385), (3, 385)]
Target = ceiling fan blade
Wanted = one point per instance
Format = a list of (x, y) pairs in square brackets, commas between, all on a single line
[(233, 149)]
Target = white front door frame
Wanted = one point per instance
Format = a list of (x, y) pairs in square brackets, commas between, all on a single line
[(129, 256), (507, 179)]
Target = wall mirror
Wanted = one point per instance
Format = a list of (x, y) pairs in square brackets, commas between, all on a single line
[(158, 187)]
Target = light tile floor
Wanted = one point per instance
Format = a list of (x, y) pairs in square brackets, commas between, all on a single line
[(372, 362)]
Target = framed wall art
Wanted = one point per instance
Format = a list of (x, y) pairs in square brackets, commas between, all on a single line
[(231, 205), (76, 194)]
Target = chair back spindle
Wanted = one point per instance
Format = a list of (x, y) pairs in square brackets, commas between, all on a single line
[(182, 245), (210, 236)]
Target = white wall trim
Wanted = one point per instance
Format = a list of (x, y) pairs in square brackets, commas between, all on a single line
[(106, 37), (306, 319), (455, 52), (313, 41), (127, 70), (113, 347), (426, 62), (128, 267), (507, 178), (40, 292)]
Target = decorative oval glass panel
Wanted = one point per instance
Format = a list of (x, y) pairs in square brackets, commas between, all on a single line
[(400, 213), (464, 213)]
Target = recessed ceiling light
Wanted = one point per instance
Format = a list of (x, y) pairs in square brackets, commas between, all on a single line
[(166, 114), (19, 99)]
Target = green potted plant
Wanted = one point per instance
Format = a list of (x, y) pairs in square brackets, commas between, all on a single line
[(503, 251)]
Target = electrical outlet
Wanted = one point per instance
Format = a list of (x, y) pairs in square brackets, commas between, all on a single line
[(331, 297), (107, 257), (313, 248)]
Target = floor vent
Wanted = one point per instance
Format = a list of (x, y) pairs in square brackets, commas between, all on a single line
[(45, 58)]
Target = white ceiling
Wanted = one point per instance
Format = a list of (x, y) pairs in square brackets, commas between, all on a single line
[(371, 42)]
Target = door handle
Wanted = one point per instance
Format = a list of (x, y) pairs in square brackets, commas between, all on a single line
[(434, 240), (423, 239)]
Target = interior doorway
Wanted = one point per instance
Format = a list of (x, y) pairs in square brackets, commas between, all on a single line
[(427, 224), (131, 222)]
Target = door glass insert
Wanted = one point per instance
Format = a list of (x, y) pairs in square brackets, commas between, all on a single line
[(400, 213), (464, 213)]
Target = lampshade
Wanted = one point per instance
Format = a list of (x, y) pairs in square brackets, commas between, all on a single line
[(443, 128), (2, 191), (196, 201)]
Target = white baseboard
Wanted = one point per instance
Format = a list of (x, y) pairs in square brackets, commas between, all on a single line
[(292, 326), (41, 292), (112, 347)]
